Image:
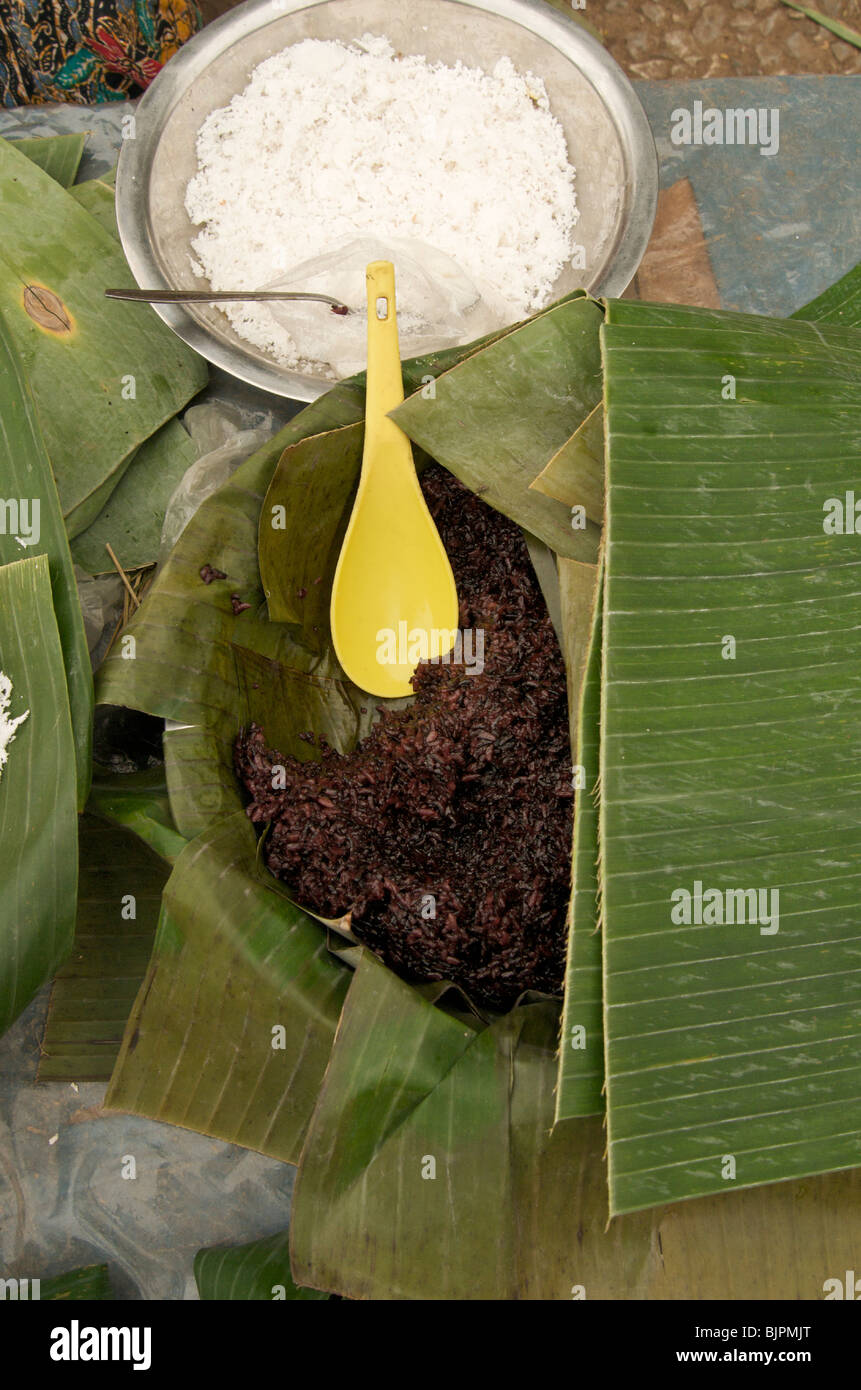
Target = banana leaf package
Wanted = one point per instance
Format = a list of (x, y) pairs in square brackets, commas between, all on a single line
[(684, 481)]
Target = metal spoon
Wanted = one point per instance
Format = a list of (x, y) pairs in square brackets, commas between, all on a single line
[(218, 296)]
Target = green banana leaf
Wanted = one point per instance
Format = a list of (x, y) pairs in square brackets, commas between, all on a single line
[(730, 689), (89, 1284), (512, 1207), (543, 378), (98, 198), (93, 994), (199, 770), (119, 895), (546, 567), (105, 375), (297, 566), (575, 474), (26, 477), (58, 155), (132, 518), (184, 666), (258, 1271), (234, 964), (139, 802), (38, 816), (578, 467), (839, 305), (581, 1043)]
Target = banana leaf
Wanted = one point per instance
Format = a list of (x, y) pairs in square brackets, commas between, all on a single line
[(119, 895), (511, 1207), (132, 518), (542, 379), (184, 667), (575, 474), (581, 1043), (27, 479), (202, 785), (579, 464), (729, 695), (195, 661), (98, 198), (257, 1271), (578, 1089), (38, 816), (297, 567), (545, 565), (58, 155), (233, 964), (288, 699), (839, 305), (139, 802), (104, 375), (89, 1284)]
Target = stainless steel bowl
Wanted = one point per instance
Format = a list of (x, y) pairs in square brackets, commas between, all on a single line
[(609, 140)]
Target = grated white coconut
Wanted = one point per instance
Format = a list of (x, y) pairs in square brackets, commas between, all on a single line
[(330, 141), (7, 726)]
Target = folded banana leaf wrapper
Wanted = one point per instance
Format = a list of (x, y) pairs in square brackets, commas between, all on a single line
[(678, 473)]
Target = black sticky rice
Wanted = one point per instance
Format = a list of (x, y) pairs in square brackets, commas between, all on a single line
[(447, 832)]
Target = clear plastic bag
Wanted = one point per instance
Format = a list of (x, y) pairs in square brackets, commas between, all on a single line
[(101, 599), (226, 434), (438, 304)]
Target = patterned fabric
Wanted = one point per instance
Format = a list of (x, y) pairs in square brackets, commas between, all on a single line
[(87, 50)]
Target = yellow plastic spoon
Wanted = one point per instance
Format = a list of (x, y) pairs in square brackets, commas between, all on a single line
[(393, 598)]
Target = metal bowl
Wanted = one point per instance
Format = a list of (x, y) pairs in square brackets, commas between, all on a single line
[(609, 140)]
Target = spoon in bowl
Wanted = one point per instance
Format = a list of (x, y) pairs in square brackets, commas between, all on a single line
[(222, 296)]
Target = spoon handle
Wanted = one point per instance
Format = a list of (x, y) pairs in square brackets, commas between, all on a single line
[(219, 296), (385, 382)]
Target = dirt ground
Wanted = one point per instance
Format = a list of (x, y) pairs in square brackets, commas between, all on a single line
[(732, 38), (710, 38)]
